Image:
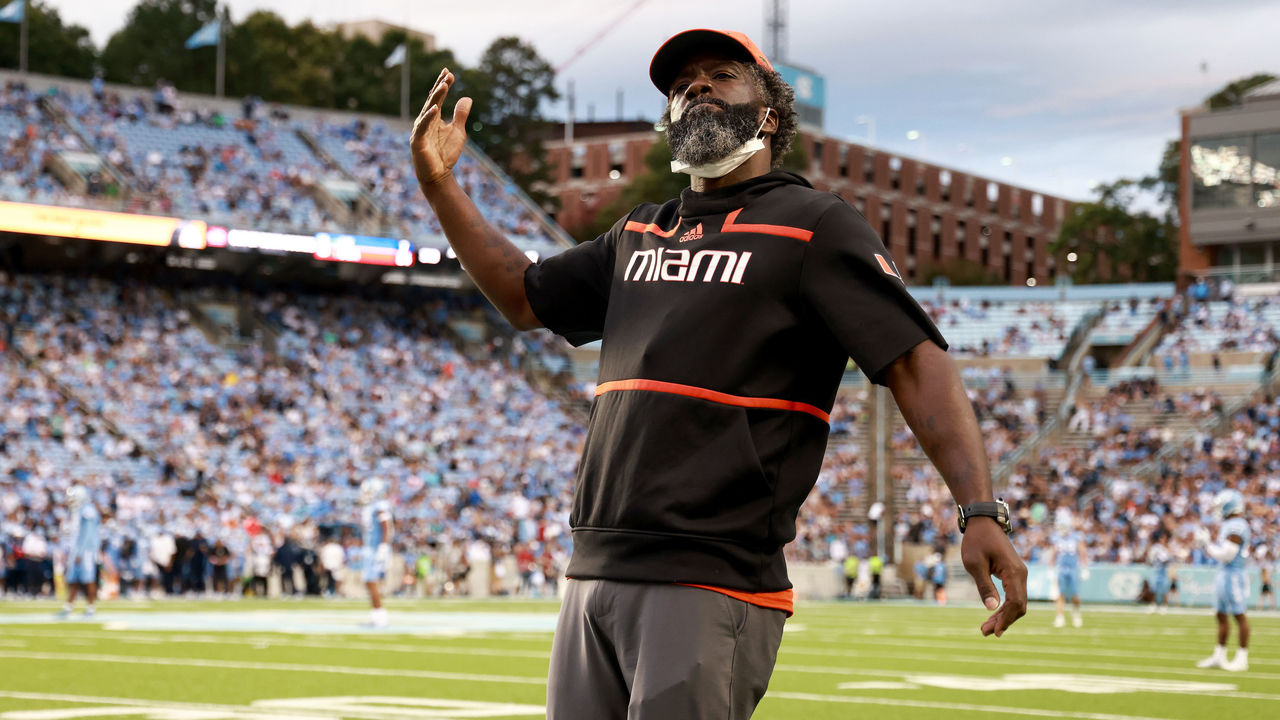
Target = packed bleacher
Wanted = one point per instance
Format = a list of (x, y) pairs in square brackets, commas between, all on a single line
[(252, 170), (233, 446)]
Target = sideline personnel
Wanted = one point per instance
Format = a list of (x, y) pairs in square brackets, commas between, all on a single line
[(727, 317)]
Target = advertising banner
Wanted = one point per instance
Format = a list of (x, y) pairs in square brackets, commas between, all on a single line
[(99, 225), (1108, 583)]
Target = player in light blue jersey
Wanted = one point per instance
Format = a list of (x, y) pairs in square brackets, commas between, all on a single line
[(376, 528), (1069, 559), (1159, 557), (1232, 584), (82, 556)]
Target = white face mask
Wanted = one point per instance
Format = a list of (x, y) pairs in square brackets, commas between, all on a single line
[(728, 163)]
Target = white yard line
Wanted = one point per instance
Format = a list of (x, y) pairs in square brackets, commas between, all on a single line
[(287, 709), (1046, 650), (284, 641), (278, 667), (938, 705), (935, 659)]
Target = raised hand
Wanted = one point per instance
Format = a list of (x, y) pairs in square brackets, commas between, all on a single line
[(435, 144)]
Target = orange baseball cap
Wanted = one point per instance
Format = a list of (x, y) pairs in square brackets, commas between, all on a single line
[(670, 58)]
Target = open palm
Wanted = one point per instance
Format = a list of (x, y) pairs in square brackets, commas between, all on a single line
[(436, 144)]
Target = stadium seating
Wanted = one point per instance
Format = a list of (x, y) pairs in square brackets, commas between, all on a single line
[(257, 171)]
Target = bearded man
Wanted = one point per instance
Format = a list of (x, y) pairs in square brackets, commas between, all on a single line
[(727, 317)]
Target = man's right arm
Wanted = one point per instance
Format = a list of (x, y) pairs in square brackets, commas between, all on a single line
[(495, 264)]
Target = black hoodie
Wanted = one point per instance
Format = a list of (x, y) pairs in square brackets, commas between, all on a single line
[(727, 320)]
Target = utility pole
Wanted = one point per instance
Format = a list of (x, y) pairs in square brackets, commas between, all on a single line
[(220, 79), (775, 23)]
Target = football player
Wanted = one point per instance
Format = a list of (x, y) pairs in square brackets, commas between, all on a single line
[(1160, 557), (1232, 584), (82, 559), (376, 526), (1069, 557)]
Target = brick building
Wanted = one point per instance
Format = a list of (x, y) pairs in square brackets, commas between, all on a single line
[(928, 216)]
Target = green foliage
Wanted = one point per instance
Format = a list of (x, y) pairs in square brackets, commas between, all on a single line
[(1109, 227), (796, 160), (509, 87), (265, 40), (1233, 93), (52, 47), (150, 46)]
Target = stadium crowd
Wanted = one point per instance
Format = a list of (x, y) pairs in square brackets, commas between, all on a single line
[(257, 451), (252, 171)]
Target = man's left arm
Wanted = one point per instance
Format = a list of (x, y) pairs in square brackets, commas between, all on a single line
[(927, 387)]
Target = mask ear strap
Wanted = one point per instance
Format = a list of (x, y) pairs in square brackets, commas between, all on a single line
[(760, 130)]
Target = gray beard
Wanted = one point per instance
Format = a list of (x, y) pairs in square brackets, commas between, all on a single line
[(703, 136)]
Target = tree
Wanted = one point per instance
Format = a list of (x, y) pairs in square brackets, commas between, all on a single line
[(363, 82), (151, 46), (510, 86), (1108, 231), (52, 47), (1233, 93), (269, 58)]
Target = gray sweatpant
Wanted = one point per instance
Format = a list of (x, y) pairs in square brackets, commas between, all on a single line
[(651, 651)]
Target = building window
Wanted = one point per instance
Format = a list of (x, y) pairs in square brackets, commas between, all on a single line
[(868, 168), (936, 226), (912, 230), (1266, 170), (1221, 170), (962, 233)]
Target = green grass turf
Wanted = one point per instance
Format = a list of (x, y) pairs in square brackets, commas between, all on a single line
[(838, 660)]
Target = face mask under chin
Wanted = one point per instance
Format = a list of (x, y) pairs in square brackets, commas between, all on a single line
[(711, 144)]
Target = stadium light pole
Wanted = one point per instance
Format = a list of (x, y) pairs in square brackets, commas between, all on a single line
[(404, 78), (22, 39), (220, 78)]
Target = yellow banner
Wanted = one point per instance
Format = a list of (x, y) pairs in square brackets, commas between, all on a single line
[(97, 225)]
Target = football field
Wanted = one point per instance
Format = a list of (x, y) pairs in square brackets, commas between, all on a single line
[(310, 660)]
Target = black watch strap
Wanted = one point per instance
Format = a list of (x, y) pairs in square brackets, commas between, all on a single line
[(998, 510)]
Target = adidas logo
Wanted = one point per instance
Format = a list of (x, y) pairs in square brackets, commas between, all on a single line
[(694, 233)]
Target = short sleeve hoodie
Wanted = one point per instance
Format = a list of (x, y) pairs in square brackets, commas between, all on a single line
[(726, 319)]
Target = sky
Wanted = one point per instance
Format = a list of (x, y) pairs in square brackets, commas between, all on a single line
[(1054, 96)]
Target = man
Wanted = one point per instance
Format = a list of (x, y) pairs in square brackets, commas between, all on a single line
[(375, 523), (727, 318), (850, 574), (1232, 584), (1266, 568), (82, 556), (1069, 554), (1160, 557)]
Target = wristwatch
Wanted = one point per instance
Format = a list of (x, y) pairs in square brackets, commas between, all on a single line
[(998, 510)]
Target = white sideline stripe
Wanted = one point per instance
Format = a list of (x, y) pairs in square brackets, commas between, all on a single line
[(282, 710), (937, 705), (281, 667), (1046, 650), (283, 641), (1020, 662)]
